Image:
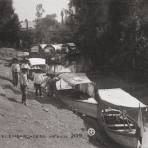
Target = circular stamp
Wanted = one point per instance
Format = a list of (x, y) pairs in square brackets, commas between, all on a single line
[(91, 132)]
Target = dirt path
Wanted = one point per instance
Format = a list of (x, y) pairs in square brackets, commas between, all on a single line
[(44, 123)]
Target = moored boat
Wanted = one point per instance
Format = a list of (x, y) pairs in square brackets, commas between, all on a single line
[(80, 94), (120, 128), (121, 117), (118, 112)]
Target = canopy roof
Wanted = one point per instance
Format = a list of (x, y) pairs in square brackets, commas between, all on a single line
[(59, 69), (57, 46), (22, 54), (71, 44), (74, 78), (35, 48), (36, 61), (89, 100), (43, 45), (119, 97)]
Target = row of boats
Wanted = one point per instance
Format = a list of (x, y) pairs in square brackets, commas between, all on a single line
[(119, 113)]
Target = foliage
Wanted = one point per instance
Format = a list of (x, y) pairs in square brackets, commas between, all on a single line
[(49, 30), (9, 23), (111, 31), (89, 19), (39, 10), (46, 29), (133, 43), (26, 39)]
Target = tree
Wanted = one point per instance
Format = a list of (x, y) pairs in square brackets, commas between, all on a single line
[(110, 30), (26, 38), (88, 22), (132, 40), (39, 10), (9, 23), (47, 29)]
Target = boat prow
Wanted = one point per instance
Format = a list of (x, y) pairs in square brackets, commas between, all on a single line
[(116, 115), (119, 127)]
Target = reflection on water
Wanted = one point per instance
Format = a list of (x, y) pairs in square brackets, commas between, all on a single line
[(73, 64), (60, 69)]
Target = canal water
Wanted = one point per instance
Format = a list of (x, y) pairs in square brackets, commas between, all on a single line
[(73, 64), (104, 80)]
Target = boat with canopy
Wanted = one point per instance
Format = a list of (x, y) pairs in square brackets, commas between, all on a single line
[(78, 94), (117, 111), (120, 114)]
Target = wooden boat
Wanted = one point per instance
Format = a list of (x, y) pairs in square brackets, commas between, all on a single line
[(78, 97), (116, 114)]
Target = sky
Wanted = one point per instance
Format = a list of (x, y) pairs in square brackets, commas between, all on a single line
[(26, 9)]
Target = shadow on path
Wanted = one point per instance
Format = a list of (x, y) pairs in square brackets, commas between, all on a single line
[(5, 78), (88, 122), (8, 86), (47, 100), (13, 100)]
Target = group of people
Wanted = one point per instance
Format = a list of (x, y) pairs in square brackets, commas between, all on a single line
[(49, 83), (20, 74)]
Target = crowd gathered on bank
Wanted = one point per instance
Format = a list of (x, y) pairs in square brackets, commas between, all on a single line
[(20, 79)]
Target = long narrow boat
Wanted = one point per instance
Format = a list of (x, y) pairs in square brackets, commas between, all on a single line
[(121, 117), (116, 110), (79, 93)]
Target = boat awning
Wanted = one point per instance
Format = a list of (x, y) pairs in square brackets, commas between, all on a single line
[(89, 100), (36, 61), (74, 78), (71, 44), (119, 97), (43, 46), (35, 48), (57, 46), (22, 54)]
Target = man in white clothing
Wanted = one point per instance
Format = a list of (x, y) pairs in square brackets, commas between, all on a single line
[(38, 80), (15, 68), (23, 85)]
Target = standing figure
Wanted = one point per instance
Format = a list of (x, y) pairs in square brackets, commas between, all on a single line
[(25, 64), (51, 85), (38, 80), (23, 85), (15, 68)]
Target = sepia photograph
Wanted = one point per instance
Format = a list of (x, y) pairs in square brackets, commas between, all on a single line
[(73, 73)]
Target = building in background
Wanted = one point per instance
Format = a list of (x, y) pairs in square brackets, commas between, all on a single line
[(27, 25)]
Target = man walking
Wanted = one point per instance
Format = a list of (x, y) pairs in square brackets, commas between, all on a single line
[(15, 68), (23, 85), (51, 85), (38, 80)]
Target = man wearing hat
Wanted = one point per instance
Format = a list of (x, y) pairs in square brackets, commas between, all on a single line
[(38, 80), (15, 68), (51, 85), (24, 84), (25, 64)]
